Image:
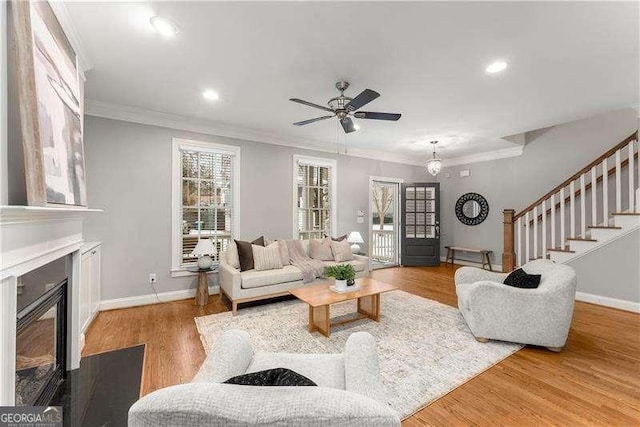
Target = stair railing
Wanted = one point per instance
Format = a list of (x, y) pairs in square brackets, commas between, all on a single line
[(545, 220)]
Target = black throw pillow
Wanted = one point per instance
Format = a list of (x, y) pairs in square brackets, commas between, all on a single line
[(272, 377), (337, 239), (245, 253), (520, 279)]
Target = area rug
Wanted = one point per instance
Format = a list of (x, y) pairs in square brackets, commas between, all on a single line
[(425, 348)]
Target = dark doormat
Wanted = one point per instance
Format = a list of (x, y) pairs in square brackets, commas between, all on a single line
[(103, 389)]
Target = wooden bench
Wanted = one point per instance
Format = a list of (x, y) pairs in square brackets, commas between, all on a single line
[(484, 255)]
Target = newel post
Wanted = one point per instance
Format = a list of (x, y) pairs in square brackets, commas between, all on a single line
[(508, 253)]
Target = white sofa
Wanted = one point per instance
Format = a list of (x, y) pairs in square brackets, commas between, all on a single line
[(252, 285), (349, 393), (540, 316)]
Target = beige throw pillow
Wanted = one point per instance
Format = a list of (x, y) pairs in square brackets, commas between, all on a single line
[(284, 252), (341, 251), (321, 249), (266, 257), (232, 255)]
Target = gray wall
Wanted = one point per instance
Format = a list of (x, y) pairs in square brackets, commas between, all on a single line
[(595, 275), (550, 156), (129, 176)]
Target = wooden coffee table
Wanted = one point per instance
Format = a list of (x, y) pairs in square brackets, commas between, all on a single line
[(320, 298)]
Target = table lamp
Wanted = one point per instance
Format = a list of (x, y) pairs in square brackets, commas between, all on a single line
[(355, 237), (203, 250)]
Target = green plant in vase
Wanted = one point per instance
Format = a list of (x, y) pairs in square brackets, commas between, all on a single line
[(342, 273)]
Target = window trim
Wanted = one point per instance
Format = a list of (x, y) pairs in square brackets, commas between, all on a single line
[(332, 164), (177, 269)]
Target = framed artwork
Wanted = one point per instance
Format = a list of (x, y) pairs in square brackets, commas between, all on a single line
[(50, 107)]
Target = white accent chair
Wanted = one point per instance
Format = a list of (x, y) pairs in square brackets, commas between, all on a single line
[(348, 393), (540, 316)]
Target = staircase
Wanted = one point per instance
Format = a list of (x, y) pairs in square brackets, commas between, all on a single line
[(596, 205)]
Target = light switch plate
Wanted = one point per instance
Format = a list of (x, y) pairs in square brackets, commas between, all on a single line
[(360, 220), (360, 212)]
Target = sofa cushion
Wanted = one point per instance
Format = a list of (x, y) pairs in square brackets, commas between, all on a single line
[(232, 255), (245, 252), (358, 266), (256, 279), (326, 370), (320, 249), (341, 251), (520, 279), (272, 377), (266, 258)]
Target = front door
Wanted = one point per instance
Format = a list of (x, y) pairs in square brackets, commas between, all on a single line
[(420, 239)]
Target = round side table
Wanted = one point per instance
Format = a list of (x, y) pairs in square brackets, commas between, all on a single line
[(202, 294)]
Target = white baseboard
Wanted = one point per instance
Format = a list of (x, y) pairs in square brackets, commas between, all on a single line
[(609, 302), (112, 304), (495, 267)]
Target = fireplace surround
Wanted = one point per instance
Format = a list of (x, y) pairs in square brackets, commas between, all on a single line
[(31, 237)]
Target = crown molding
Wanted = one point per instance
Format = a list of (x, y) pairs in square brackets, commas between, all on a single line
[(503, 153), (60, 10), (173, 121)]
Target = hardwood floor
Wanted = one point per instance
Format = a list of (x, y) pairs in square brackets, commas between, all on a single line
[(595, 380)]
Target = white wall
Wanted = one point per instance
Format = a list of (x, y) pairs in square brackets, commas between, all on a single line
[(129, 176), (4, 177)]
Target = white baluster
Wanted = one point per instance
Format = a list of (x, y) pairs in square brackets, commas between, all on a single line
[(544, 229), (526, 237), (562, 236), (519, 254), (605, 192), (572, 209), (594, 197), (583, 213), (535, 232), (618, 183), (553, 220), (630, 168)]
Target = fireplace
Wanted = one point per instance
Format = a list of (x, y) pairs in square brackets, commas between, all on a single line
[(41, 347)]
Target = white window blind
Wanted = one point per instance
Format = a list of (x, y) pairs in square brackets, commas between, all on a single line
[(314, 199), (207, 208)]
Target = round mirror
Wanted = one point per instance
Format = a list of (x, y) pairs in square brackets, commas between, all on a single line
[(472, 209)]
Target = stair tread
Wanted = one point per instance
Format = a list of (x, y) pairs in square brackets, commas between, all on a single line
[(625, 213), (561, 250), (610, 227), (580, 239)]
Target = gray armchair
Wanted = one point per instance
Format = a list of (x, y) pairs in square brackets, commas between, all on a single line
[(348, 393), (540, 316)]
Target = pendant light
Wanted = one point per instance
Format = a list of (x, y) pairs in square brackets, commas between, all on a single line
[(434, 165)]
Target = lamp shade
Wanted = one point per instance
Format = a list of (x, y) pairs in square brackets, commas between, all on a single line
[(355, 237), (204, 247)]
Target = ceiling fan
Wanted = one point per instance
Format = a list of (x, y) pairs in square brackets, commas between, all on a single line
[(344, 107)]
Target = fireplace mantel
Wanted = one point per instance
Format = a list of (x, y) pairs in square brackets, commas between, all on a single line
[(31, 237)]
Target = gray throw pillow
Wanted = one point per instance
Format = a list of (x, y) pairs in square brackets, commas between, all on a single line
[(321, 249)]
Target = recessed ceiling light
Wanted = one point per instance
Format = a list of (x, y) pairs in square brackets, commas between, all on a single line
[(164, 26), (356, 126), (496, 67), (211, 95)]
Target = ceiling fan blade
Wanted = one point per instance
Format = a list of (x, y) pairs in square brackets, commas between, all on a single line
[(347, 125), (311, 104), (306, 122), (377, 116), (365, 97)]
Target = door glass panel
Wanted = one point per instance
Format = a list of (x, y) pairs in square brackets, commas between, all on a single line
[(384, 240)]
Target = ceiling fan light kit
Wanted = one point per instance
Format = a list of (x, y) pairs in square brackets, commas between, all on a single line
[(344, 108)]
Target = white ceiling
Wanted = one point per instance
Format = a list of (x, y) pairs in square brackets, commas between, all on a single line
[(566, 61)]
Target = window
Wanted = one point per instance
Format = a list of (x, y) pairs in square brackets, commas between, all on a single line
[(205, 197), (314, 197)]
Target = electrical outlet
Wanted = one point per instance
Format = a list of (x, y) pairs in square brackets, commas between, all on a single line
[(152, 278)]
